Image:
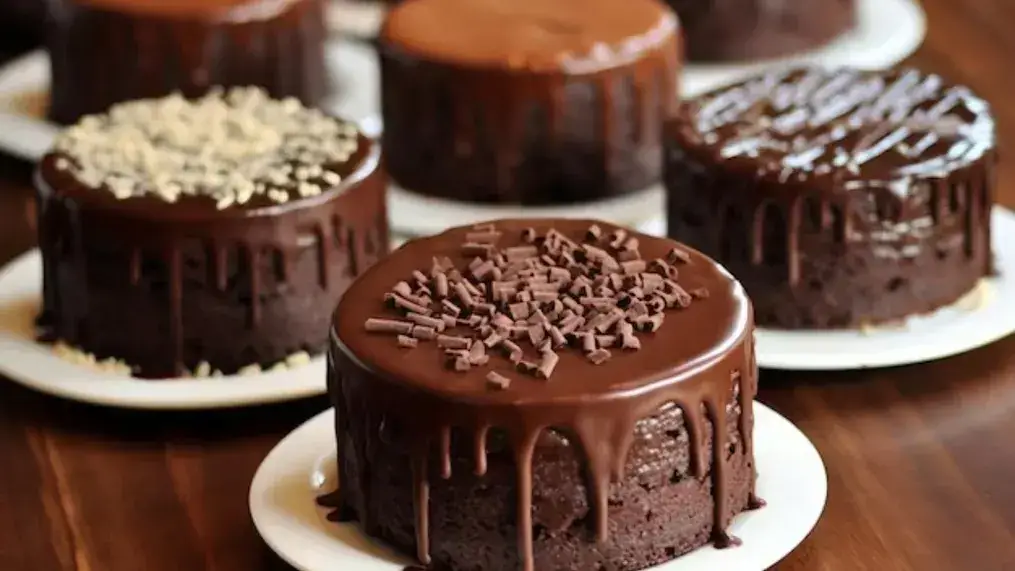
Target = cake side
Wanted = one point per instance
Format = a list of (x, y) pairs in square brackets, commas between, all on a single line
[(105, 52), (518, 416), (839, 199), (559, 112), (175, 262)]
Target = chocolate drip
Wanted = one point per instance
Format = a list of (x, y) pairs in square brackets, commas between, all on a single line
[(157, 241), (541, 128)]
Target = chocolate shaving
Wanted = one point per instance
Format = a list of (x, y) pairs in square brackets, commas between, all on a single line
[(547, 362), (514, 352), (676, 255), (594, 233), (599, 356), (453, 342), (699, 293), (424, 333), (477, 354), (377, 325), (588, 342), (407, 342), (529, 235), (426, 321), (497, 381)]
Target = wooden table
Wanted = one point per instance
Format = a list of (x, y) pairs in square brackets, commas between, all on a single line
[(920, 462)]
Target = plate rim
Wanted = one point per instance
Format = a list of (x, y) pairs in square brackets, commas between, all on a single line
[(844, 360), (319, 429)]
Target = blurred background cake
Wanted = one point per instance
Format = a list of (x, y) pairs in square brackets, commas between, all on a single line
[(527, 101), (106, 51), (200, 236), (838, 198), (748, 30)]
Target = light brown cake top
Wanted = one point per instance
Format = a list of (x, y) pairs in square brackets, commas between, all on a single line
[(574, 36), (234, 147)]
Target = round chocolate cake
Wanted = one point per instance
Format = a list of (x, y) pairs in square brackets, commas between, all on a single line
[(553, 395), (527, 101), (107, 51), (749, 30), (838, 198), (205, 235)]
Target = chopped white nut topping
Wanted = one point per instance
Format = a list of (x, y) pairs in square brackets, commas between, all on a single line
[(229, 145)]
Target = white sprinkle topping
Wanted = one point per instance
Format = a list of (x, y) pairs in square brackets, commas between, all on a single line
[(228, 145)]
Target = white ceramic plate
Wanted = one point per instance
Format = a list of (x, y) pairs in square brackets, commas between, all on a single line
[(24, 85), (888, 31), (791, 478), (35, 365), (979, 319)]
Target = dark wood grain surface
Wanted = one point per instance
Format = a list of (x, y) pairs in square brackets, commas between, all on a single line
[(921, 460)]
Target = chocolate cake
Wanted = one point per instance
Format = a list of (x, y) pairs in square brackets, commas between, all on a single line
[(553, 395), (107, 51), (838, 198), (205, 235), (527, 101), (748, 30)]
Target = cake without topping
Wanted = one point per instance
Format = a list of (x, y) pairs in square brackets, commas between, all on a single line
[(556, 395), (104, 52), (840, 198), (524, 101), (202, 235)]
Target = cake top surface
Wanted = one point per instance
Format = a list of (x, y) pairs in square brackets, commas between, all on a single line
[(227, 150), (848, 127), (547, 310), (573, 36), (229, 10)]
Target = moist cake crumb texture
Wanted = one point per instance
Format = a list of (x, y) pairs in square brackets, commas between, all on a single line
[(228, 145)]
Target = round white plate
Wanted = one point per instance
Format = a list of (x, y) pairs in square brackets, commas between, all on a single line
[(24, 83), (791, 479), (35, 365), (981, 318), (887, 32), (413, 214)]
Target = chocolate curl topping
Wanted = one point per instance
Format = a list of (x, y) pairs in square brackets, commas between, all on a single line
[(543, 295), (378, 325)]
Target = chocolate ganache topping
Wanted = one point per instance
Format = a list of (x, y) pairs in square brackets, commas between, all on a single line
[(847, 129), (523, 326), (573, 36)]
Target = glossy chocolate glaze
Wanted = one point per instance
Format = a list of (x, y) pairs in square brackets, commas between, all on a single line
[(107, 51), (751, 30), (345, 225), (891, 164), (697, 361), (527, 102)]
